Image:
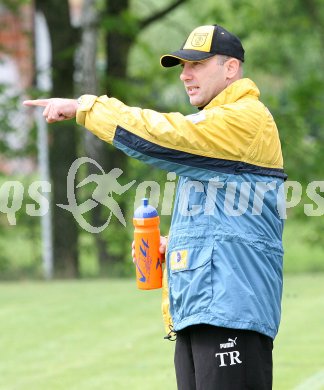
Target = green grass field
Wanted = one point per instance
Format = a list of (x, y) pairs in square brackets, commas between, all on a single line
[(107, 335)]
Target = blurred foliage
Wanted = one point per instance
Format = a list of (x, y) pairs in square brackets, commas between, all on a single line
[(20, 250), (18, 133), (14, 5), (284, 55)]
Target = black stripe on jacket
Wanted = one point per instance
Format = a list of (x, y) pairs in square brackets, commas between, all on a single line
[(134, 142)]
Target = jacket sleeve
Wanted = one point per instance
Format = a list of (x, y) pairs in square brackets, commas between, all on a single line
[(201, 145)]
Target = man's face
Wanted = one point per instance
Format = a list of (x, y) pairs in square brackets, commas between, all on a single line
[(203, 80)]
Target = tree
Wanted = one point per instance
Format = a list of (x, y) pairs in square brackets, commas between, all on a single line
[(63, 146)]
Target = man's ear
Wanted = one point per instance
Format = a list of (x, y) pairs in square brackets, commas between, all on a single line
[(232, 67)]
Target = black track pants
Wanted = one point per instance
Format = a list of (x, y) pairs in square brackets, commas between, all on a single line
[(213, 358)]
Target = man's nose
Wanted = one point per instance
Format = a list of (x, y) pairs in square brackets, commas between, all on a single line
[(185, 74)]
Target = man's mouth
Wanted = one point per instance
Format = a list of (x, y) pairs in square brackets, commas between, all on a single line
[(192, 90)]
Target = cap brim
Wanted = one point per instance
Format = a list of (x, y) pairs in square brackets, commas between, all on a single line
[(174, 58)]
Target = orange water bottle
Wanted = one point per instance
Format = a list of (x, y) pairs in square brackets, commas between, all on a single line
[(148, 259)]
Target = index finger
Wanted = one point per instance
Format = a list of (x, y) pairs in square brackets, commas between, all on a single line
[(37, 102)]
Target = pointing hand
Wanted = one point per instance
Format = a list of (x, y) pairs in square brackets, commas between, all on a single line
[(56, 109)]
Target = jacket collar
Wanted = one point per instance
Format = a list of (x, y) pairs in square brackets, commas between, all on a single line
[(234, 92)]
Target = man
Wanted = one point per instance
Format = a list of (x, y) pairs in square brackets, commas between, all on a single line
[(224, 256)]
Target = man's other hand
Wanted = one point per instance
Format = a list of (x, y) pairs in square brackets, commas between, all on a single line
[(162, 248)]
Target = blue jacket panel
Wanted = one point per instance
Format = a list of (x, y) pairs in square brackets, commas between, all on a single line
[(225, 253)]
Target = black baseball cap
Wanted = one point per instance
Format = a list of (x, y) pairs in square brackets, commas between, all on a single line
[(205, 42)]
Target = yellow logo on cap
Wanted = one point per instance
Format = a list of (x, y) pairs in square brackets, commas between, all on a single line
[(200, 39), (179, 260)]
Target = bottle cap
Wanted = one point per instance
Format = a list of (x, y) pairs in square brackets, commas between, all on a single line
[(145, 211)]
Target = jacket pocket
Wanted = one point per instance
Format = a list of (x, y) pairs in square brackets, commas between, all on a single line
[(190, 280)]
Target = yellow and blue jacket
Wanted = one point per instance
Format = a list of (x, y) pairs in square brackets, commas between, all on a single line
[(224, 257)]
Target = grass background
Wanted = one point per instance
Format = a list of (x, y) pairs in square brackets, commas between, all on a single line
[(106, 334)]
